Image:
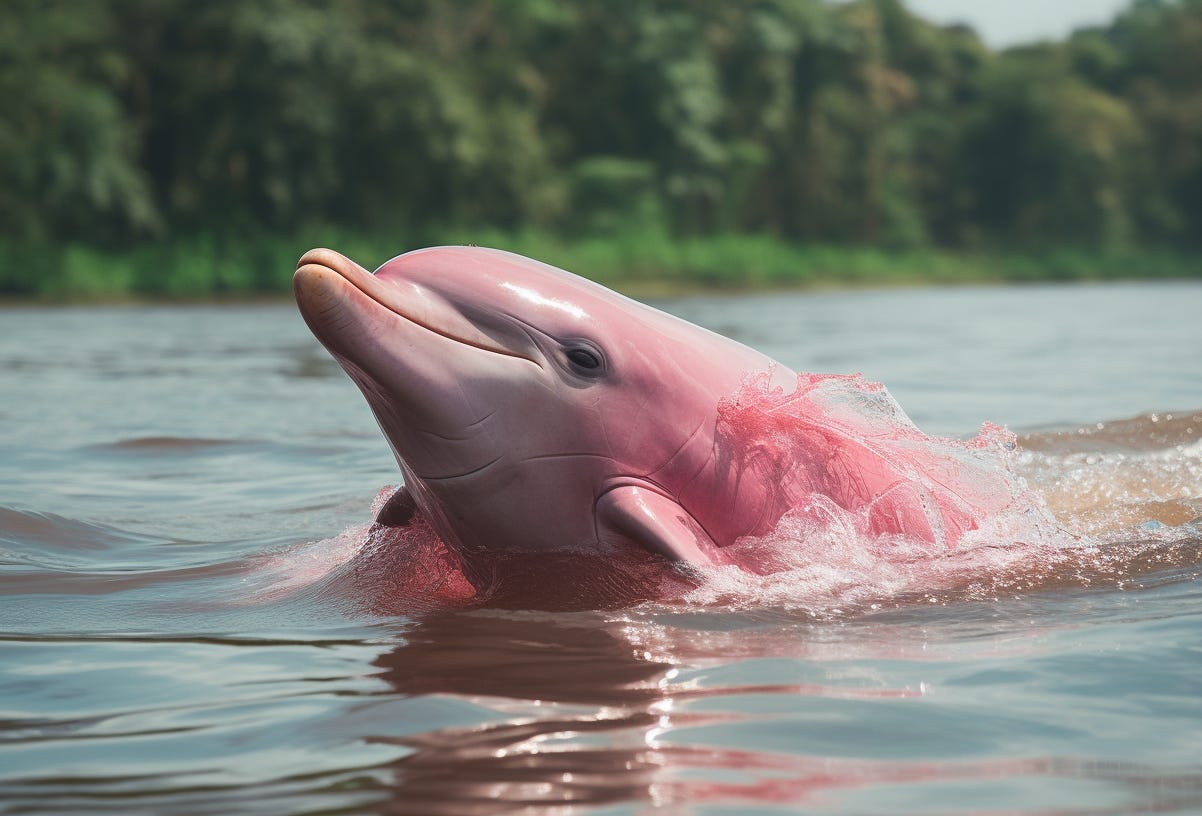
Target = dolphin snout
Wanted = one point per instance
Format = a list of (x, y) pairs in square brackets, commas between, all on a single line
[(318, 280), (330, 260), (317, 272), (320, 286)]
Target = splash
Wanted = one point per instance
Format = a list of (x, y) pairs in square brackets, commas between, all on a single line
[(274, 576), (868, 506), (875, 512), (1109, 477), (410, 565), (846, 456)]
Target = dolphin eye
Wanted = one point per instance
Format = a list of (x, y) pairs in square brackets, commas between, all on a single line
[(584, 358)]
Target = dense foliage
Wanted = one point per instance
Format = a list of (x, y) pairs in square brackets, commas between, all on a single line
[(829, 122)]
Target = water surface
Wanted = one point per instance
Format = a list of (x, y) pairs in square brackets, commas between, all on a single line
[(175, 483)]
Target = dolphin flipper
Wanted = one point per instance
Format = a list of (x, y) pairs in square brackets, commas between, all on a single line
[(657, 523), (398, 510)]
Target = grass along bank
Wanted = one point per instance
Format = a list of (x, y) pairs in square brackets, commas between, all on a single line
[(207, 266)]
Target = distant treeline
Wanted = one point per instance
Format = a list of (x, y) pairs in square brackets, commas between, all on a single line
[(128, 122)]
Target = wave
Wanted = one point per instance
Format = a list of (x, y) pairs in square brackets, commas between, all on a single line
[(168, 444)]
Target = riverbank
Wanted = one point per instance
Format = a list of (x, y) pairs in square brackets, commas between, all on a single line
[(211, 267)]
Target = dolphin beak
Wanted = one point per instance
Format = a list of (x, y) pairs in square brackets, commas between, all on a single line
[(317, 274), (326, 283), (329, 259), (319, 285)]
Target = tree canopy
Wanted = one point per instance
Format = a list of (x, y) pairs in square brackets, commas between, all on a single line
[(839, 122)]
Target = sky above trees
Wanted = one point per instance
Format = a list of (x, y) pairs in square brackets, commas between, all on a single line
[(1014, 22)]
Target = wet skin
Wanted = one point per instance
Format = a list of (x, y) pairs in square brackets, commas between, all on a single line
[(531, 410)]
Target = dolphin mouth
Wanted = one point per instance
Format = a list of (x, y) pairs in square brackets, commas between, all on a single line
[(321, 273)]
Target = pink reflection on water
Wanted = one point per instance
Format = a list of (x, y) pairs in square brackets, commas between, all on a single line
[(625, 728)]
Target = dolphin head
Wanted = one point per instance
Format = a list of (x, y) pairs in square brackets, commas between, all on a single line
[(527, 407)]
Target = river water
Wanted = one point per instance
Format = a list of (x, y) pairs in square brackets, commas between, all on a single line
[(180, 485)]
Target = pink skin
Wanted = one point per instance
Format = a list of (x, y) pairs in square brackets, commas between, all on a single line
[(476, 363)]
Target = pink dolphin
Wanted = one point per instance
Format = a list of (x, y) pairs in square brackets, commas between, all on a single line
[(533, 411)]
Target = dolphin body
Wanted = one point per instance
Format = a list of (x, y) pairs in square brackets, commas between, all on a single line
[(536, 414), (533, 411)]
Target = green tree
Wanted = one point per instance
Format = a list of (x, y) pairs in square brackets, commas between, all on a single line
[(68, 152), (1045, 156)]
